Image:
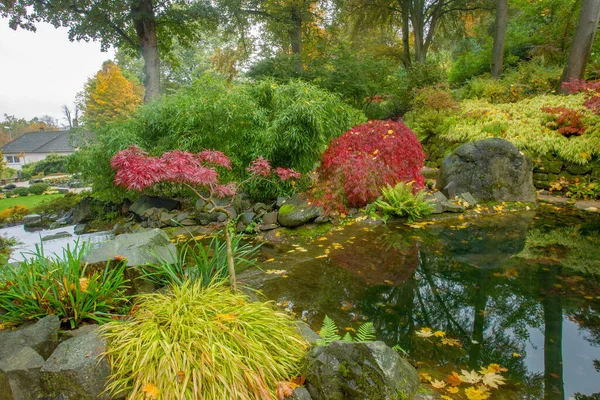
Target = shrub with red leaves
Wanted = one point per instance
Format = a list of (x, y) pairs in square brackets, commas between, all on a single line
[(357, 164), (591, 90), (566, 121)]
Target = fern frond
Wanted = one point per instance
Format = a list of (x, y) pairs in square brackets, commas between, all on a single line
[(347, 338), (328, 332), (365, 333), (399, 349)]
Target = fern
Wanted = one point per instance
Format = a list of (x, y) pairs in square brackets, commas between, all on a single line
[(366, 333), (347, 337), (328, 332), (400, 349), (399, 200)]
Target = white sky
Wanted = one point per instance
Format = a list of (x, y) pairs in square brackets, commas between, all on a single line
[(41, 71)]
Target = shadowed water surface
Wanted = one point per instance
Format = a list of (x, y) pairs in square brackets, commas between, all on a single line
[(517, 290)]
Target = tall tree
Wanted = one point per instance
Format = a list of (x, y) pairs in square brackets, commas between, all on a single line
[(581, 46), (499, 37), (109, 95), (147, 26)]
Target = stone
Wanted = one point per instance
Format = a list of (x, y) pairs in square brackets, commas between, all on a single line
[(552, 166), (588, 205), (83, 330), (58, 235), (307, 333), (63, 190), (154, 213), (268, 227), (32, 221), (41, 337), (241, 203), (20, 375), (206, 218), (322, 219), (146, 202), (80, 229), (138, 248), (269, 218), (76, 369), (82, 212), (452, 207), (300, 393), (468, 198), (436, 199), (280, 201), (491, 170), (247, 217), (540, 177), (296, 212), (168, 219), (359, 371), (576, 169)]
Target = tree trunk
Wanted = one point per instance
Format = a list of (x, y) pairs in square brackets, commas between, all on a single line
[(553, 321), (499, 35), (582, 42), (230, 263), (142, 12), (405, 34), (295, 33)]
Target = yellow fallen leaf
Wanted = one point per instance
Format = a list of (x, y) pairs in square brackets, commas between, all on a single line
[(439, 334), (451, 342), (470, 377), (270, 260), (438, 384), (226, 317), (474, 393), (425, 333), (322, 238), (151, 391), (495, 368), (275, 271), (516, 355), (424, 377), (493, 380), (452, 390)]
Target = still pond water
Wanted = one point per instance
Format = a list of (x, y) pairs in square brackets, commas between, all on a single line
[(515, 290)]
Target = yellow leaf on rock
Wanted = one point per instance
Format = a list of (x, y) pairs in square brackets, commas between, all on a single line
[(151, 391)]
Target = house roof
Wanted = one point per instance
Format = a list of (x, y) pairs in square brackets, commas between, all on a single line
[(41, 142)]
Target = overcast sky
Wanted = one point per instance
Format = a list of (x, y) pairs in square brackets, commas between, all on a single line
[(41, 71)]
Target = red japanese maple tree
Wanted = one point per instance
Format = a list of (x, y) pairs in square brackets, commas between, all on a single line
[(137, 170)]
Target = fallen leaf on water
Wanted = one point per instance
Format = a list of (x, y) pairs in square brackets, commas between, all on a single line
[(424, 377), (493, 380), (439, 334), (322, 256), (445, 397), (495, 368), (275, 271), (270, 260), (151, 390), (438, 384), (470, 377), (451, 342), (452, 390), (454, 380), (516, 355), (388, 282), (474, 393), (425, 333)]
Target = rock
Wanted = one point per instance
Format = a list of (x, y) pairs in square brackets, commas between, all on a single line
[(58, 235), (260, 207), (490, 169), (268, 227), (62, 190), (190, 231), (138, 248), (241, 203), (300, 393), (588, 205), (247, 217), (82, 212), (20, 375), (76, 370), (359, 371), (84, 330), (121, 228), (168, 219), (32, 221), (429, 173), (80, 229), (280, 201), (452, 207), (144, 203), (307, 333), (269, 218), (468, 197), (206, 218), (576, 169), (296, 212), (41, 337), (322, 219)]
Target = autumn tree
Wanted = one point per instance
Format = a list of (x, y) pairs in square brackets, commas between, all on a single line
[(145, 26), (12, 127), (108, 96), (581, 46)]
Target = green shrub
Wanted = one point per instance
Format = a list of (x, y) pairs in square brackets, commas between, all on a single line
[(430, 109), (200, 342), (52, 164), (57, 205), (199, 262), (21, 191), (44, 285), (38, 188), (400, 201)]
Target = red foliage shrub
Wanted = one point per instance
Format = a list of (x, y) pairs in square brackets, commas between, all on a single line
[(567, 121), (592, 92), (357, 164)]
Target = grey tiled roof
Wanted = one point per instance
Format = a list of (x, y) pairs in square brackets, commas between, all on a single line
[(40, 142)]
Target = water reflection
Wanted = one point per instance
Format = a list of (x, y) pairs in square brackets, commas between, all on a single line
[(511, 289)]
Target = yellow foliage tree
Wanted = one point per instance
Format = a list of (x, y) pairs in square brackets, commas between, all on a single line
[(109, 95)]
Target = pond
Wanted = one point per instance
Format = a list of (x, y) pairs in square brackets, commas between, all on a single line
[(28, 240), (516, 290)]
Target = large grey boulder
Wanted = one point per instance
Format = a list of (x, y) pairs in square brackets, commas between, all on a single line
[(82, 212), (41, 337), (32, 221), (490, 169), (76, 369), (20, 375), (138, 248), (145, 203), (359, 371), (296, 212)]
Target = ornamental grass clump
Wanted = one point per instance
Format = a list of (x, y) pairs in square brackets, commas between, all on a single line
[(360, 162), (202, 342), (62, 286)]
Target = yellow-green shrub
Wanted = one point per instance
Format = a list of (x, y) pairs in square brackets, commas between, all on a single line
[(14, 213), (524, 124), (202, 343)]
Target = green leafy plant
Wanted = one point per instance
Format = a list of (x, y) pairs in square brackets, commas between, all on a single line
[(198, 261), (329, 333), (46, 284), (202, 342), (584, 190), (21, 191), (38, 188), (400, 201), (14, 213), (58, 204)]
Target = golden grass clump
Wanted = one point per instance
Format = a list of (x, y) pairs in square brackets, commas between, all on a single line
[(202, 342)]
